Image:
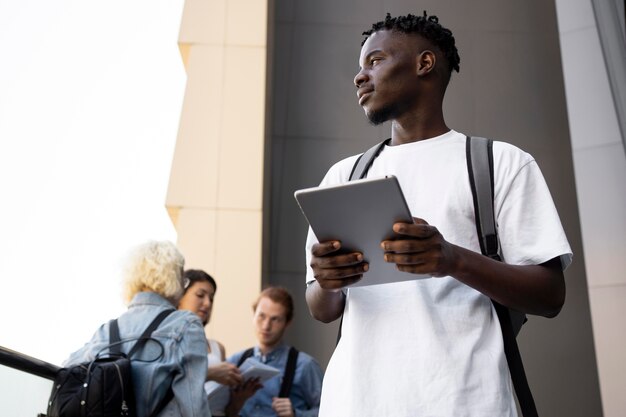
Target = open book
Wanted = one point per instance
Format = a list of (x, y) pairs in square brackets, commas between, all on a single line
[(219, 395)]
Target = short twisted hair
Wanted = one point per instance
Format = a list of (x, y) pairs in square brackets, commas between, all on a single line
[(426, 26)]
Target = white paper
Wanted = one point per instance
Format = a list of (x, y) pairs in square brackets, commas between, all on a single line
[(219, 395)]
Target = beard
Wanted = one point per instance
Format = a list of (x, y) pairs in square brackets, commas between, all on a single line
[(389, 112)]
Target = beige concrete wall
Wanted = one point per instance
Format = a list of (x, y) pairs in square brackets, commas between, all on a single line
[(215, 194), (600, 169)]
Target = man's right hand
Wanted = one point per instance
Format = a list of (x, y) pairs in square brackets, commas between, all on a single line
[(333, 270), (240, 394)]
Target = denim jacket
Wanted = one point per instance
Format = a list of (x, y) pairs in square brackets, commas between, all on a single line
[(183, 365)]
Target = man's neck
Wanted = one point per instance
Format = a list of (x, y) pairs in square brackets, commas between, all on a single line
[(413, 127), (267, 349)]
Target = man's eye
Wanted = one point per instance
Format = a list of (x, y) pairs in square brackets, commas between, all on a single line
[(375, 61)]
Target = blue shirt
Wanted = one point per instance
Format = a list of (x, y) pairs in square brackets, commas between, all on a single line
[(183, 364), (305, 391)]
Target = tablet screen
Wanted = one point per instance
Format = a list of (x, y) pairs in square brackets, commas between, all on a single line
[(360, 214)]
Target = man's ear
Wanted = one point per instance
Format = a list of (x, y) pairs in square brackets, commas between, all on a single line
[(426, 61)]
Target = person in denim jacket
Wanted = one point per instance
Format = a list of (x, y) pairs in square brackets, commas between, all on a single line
[(154, 283)]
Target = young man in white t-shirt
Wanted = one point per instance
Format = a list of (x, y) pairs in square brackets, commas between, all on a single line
[(432, 347)]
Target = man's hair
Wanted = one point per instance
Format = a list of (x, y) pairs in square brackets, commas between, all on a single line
[(155, 266), (426, 26), (280, 296), (191, 276)]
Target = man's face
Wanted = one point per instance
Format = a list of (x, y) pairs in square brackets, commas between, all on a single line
[(387, 82), (270, 322)]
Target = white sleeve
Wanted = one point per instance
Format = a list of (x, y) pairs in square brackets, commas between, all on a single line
[(529, 227)]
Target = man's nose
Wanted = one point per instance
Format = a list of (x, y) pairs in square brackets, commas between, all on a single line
[(360, 78)]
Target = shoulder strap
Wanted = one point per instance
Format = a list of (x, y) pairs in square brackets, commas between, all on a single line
[(339, 330), (151, 327), (514, 361), (247, 354), (169, 395), (480, 169), (359, 171), (114, 340), (479, 152), (363, 163), (290, 371)]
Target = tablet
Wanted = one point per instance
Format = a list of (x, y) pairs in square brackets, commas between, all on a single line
[(360, 214)]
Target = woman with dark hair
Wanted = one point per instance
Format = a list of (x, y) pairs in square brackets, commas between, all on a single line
[(200, 289)]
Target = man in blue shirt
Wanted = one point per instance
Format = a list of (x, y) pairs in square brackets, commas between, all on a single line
[(273, 312)]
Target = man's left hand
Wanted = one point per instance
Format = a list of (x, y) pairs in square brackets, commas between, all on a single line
[(421, 249), (283, 407)]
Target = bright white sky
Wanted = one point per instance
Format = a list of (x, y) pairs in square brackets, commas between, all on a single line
[(90, 99)]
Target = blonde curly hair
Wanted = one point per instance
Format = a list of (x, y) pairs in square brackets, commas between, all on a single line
[(155, 266)]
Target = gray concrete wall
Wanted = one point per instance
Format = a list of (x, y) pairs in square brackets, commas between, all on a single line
[(510, 87), (600, 170)]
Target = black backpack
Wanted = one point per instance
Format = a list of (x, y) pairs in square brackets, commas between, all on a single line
[(479, 156), (103, 387), (290, 369)]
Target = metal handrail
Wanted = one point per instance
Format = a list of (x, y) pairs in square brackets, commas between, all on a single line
[(25, 363)]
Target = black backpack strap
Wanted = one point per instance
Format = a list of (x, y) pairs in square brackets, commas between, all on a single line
[(339, 330), (290, 371), (479, 152), (114, 338), (247, 354), (364, 162), (480, 168), (359, 171), (151, 327), (114, 334), (169, 395), (115, 348), (514, 360)]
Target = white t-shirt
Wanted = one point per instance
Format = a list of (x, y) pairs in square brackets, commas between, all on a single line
[(433, 347), (215, 355)]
